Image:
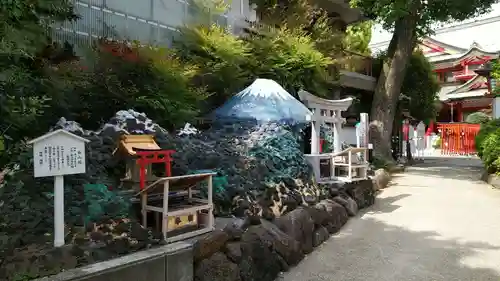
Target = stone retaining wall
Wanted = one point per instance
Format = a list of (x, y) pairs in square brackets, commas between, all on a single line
[(257, 249)]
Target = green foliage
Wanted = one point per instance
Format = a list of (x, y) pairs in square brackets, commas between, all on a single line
[(325, 29), (358, 36), (491, 151), (227, 63), (290, 58), (25, 91), (221, 57), (478, 118), (437, 143), (486, 129), (389, 12), (495, 74), (25, 25), (420, 87)]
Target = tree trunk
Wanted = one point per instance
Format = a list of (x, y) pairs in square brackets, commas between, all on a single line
[(389, 84)]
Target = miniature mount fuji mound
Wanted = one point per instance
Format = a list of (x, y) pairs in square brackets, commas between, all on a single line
[(263, 101)]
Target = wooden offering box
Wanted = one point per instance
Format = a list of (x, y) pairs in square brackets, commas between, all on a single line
[(185, 218)]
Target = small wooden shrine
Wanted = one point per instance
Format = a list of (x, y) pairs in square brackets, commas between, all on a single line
[(185, 218), (179, 211), (140, 153)]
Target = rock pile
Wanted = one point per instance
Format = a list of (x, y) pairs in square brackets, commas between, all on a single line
[(98, 242), (246, 250), (264, 165), (267, 177)]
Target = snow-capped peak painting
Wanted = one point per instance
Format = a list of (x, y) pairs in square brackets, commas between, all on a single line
[(263, 101)]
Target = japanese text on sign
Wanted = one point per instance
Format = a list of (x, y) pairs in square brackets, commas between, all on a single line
[(59, 154)]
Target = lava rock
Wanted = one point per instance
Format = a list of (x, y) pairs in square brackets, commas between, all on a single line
[(299, 225), (381, 179), (233, 251), (348, 203), (209, 244), (259, 262), (337, 215), (320, 235), (287, 247), (362, 192), (236, 227), (217, 268)]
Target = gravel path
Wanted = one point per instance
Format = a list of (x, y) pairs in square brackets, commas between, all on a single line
[(435, 222)]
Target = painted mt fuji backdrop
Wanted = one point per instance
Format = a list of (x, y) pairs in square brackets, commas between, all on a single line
[(263, 101)]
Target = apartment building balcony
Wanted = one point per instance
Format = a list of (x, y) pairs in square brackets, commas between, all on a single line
[(356, 71)]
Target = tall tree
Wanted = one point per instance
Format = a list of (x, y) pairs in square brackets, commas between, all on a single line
[(409, 20)]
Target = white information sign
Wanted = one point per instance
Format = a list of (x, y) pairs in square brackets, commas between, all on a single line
[(59, 153), (56, 154)]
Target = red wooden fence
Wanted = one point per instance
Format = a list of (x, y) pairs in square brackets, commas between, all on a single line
[(458, 138)]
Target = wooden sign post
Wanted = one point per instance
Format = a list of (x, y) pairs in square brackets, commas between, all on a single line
[(56, 154)]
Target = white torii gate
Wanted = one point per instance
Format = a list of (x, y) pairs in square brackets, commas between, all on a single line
[(329, 111)]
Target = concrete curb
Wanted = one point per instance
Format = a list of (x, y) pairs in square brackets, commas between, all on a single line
[(491, 179), (148, 265)]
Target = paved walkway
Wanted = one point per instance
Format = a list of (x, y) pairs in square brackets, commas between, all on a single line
[(436, 222)]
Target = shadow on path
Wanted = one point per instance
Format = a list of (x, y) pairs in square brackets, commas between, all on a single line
[(458, 168), (369, 249)]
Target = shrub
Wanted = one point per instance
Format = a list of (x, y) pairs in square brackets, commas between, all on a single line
[(478, 118), (141, 78), (486, 129), (437, 143), (491, 152)]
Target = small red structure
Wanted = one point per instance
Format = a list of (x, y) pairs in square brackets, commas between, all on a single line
[(458, 138), (140, 152), (147, 157)]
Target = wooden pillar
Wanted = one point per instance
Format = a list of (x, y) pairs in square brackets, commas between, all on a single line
[(460, 113), (451, 113)]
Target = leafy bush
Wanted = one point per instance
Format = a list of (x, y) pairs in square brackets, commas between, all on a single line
[(221, 57), (478, 118), (291, 58), (227, 63), (437, 143), (491, 152), (484, 132), (141, 78)]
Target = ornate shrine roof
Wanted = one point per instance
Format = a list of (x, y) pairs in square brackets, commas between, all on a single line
[(457, 49), (475, 87)]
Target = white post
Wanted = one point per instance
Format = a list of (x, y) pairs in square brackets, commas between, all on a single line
[(363, 124), (315, 137), (166, 186), (336, 131), (58, 211), (496, 107), (358, 135)]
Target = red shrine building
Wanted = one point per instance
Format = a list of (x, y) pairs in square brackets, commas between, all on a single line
[(463, 91), (456, 50)]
